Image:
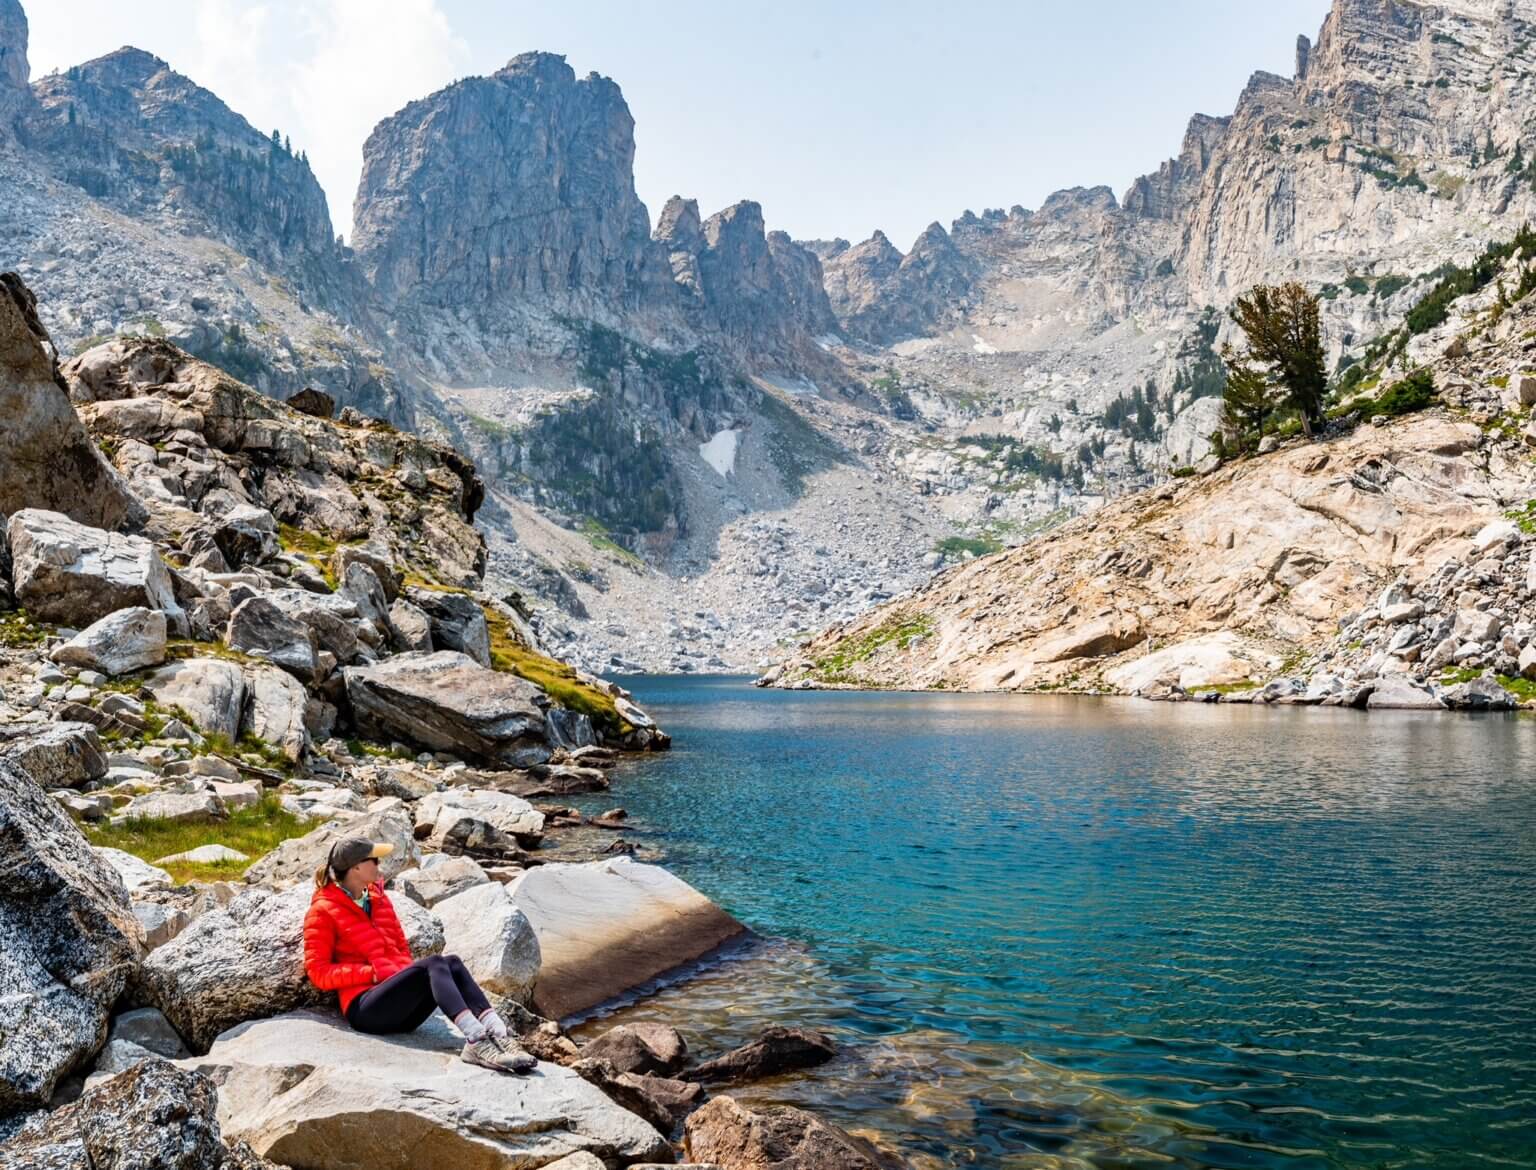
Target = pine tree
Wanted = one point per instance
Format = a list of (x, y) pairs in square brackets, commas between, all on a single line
[(1248, 401), (1285, 338), (71, 113)]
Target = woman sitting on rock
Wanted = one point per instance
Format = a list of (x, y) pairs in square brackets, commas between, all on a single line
[(353, 945)]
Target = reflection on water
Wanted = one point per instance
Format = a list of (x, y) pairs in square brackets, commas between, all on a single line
[(1055, 932)]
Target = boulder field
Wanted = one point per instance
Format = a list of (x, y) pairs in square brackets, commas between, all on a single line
[(278, 639)]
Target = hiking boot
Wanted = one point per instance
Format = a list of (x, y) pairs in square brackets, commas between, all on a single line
[(488, 1052), (518, 1059)]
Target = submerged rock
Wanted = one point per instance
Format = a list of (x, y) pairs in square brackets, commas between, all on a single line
[(775, 1051), (736, 1138)]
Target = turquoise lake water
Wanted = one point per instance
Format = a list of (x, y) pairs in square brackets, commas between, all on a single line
[(1057, 932)]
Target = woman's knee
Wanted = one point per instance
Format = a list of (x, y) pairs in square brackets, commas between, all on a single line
[(455, 962), (432, 962)]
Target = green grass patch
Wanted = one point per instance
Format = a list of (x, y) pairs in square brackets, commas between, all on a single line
[(594, 531), (491, 428), (18, 631), (1184, 472), (558, 679), (254, 831), (365, 749), (1524, 518), (955, 547), (1522, 688), (313, 547), (837, 664), (1236, 688)]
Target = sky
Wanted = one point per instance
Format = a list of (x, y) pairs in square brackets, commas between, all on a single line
[(839, 118)]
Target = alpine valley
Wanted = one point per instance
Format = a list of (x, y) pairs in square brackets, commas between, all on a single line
[(701, 439)]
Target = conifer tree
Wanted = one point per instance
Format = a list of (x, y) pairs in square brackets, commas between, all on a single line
[(1248, 401), (1285, 339)]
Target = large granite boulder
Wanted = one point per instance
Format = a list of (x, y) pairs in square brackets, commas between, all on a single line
[(259, 628), (68, 943), (733, 1137), (70, 573), (478, 820), (457, 621), (296, 859), (440, 876), (493, 937), (246, 961), (46, 458), (210, 691), (275, 705), (607, 926), (127, 640), (303, 1088), (154, 1116), (56, 755), (448, 702)]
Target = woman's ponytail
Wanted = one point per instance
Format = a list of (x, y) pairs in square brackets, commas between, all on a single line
[(322, 877)]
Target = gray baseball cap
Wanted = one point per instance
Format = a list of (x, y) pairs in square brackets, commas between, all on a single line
[(350, 851)]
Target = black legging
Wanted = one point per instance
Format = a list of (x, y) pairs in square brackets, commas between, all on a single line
[(403, 1001)]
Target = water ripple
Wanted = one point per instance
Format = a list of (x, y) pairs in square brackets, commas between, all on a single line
[(1061, 933)]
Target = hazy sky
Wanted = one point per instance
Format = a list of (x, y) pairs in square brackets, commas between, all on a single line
[(837, 117)]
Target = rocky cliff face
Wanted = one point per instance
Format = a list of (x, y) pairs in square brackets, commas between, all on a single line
[(1387, 564), (15, 97), (134, 133), (518, 184)]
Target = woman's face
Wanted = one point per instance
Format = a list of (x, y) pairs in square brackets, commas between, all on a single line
[(362, 875)]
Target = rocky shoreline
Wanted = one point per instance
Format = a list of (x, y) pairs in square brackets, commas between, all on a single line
[(240, 629)]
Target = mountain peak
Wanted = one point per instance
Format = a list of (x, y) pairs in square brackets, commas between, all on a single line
[(546, 67)]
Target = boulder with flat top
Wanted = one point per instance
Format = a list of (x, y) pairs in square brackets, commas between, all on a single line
[(607, 926), (302, 1086), (74, 575), (448, 702)]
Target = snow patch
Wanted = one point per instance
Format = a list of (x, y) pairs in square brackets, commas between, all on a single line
[(981, 346), (914, 346), (830, 341), (720, 452)]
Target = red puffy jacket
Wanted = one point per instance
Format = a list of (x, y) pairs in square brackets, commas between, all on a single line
[(345, 950)]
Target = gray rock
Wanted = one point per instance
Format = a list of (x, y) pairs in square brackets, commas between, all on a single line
[(149, 1029), (313, 402), (46, 458), (1394, 692), (776, 1050), (246, 535), (174, 806), (377, 558), (412, 629), (332, 619), (1480, 694), (447, 702), (211, 691), (276, 704), (494, 938), (569, 729), (295, 860), (478, 820), (60, 755), (160, 923), (74, 575), (1476, 626), (428, 886), (458, 622), (259, 628), (127, 640), (154, 1116), (361, 586), (242, 962), (68, 943), (290, 1086), (136, 874), (644, 1047)]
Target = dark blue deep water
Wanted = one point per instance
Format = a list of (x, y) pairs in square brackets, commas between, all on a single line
[(1057, 932)]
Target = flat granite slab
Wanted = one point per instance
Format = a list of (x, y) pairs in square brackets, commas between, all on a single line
[(309, 1092), (608, 926)]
